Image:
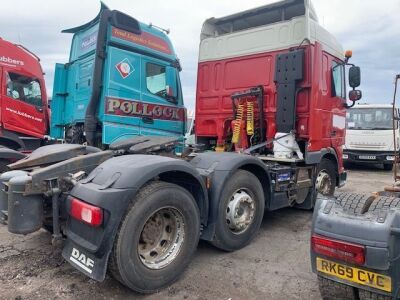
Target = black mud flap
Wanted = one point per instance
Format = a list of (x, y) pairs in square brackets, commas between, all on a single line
[(90, 265)]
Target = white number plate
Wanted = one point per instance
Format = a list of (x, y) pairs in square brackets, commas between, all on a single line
[(371, 157)]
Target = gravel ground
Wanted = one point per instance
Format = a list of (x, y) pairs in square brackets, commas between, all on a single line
[(275, 266)]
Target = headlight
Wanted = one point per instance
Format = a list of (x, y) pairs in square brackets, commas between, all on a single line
[(389, 157), (345, 156)]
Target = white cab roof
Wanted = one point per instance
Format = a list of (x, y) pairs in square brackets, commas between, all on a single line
[(272, 27)]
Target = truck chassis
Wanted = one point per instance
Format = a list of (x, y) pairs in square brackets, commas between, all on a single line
[(99, 199)]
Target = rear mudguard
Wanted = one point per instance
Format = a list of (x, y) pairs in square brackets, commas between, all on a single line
[(378, 231), (111, 186), (219, 167)]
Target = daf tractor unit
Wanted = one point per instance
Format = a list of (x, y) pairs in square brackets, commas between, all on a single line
[(270, 113), (24, 114), (369, 135)]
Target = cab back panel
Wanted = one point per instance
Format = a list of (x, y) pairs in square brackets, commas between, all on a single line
[(73, 82)]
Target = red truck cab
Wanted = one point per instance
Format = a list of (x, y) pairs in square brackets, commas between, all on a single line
[(299, 67), (24, 111)]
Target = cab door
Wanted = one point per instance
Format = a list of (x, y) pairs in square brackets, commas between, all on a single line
[(337, 102), (162, 106), (22, 107), (121, 95)]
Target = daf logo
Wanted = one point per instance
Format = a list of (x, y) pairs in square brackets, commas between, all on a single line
[(83, 261)]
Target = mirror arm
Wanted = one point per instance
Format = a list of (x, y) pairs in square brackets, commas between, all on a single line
[(349, 106)]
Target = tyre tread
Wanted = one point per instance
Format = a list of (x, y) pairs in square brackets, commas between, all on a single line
[(332, 290), (367, 295), (354, 203)]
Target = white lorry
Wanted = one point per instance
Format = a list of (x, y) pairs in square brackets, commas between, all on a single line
[(369, 135)]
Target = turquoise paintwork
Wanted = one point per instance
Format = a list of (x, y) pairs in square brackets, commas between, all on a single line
[(73, 85)]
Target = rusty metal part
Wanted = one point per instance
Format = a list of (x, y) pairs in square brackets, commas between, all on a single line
[(52, 154), (85, 163), (392, 188), (323, 183), (161, 238), (240, 211)]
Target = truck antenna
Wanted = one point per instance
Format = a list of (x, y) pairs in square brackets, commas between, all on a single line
[(167, 31)]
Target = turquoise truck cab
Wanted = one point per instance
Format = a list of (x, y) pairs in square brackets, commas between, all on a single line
[(122, 80)]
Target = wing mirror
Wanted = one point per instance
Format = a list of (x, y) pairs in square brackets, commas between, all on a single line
[(355, 95), (354, 76)]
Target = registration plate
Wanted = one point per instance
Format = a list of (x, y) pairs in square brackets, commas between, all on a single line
[(371, 157), (360, 276)]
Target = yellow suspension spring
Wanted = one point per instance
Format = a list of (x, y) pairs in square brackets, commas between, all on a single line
[(250, 118), (236, 128)]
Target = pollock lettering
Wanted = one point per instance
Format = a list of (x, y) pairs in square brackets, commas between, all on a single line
[(123, 107)]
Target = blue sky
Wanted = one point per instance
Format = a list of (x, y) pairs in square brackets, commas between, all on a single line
[(370, 28)]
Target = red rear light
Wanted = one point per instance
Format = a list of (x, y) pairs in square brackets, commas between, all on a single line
[(340, 250), (86, 213)]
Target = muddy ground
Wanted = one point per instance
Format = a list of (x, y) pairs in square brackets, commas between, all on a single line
[(275, 266)]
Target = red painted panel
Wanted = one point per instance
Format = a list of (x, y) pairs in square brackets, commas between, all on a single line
[(315, 105), (246, 72), (134, 108), (17, 115)]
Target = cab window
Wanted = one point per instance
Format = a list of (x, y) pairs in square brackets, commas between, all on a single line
[(156, 79), (24, 88), (338, 85)]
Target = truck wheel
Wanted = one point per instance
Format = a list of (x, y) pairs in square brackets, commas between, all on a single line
[(367, 295), (156, 239), (387, 167), (332, 290), (240, 211), (325, 183)]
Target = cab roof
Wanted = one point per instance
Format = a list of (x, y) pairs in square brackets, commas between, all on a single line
[(277, 26), (19, 58), (144, 36)]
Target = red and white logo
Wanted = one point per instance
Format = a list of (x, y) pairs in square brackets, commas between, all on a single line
[(125, 68)]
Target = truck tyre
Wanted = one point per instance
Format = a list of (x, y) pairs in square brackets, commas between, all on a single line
[(367, 295), (156, 239), (387, 167), (332, 290), (325, 183), (240, 211), (354, 203)]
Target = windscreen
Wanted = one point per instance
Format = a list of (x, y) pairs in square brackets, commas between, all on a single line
[(369, 118)]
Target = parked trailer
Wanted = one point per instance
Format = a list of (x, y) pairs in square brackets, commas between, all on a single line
[(138, 211)]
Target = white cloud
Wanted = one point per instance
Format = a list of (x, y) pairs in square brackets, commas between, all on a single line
[(370, 28)]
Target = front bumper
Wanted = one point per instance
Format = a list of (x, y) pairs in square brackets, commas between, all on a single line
[(370, 157)]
